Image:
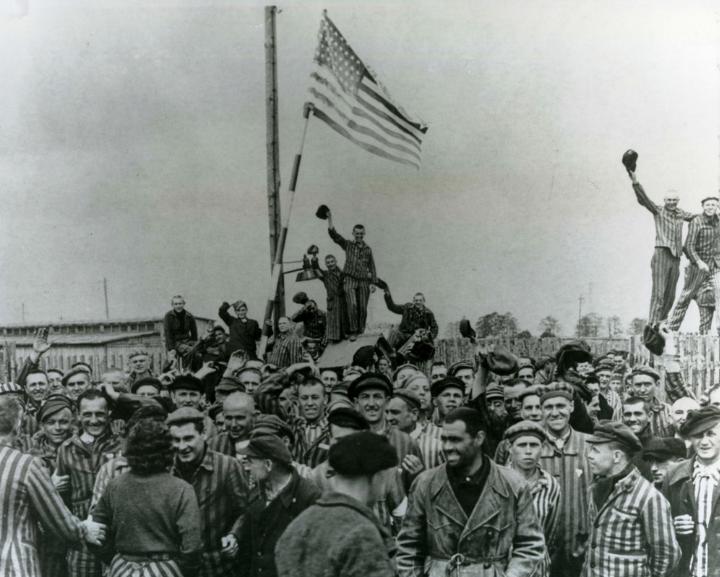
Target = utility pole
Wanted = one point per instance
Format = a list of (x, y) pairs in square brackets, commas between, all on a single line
[(273, 151), (580, 303), (107, 306)]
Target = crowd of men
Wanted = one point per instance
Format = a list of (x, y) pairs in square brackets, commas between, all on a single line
[(565, 465)]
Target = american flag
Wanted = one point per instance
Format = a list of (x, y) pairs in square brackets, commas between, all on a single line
[(348, 97)]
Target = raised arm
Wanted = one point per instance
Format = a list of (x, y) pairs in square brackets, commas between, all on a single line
[(335, 235), (223, 313), (392, 307), (642, 196)]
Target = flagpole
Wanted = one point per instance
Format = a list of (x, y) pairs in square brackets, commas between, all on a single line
[(277, 262)]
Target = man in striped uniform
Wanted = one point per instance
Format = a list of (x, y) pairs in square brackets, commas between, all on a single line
[(359, 276), (239, 410), (702, 248), (333, 280), (563, 456), (27, 496), (80, 457), (403, 413), (632, 531), (665, 264), (644, 384), (692, 489), (312, 424), (220, 486)]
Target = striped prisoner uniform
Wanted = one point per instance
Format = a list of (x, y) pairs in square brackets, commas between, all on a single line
[(27, 496), (82, 462), (428, 439), (665, 263), (565, 459), (287, 350), (700, 245), (222, 494), (306, 435), (336, 311), (359, 272), (632, 532)]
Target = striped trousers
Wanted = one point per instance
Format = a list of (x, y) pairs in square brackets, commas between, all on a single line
[(694, 279), (357, 295), (665, 273), (121, 567)]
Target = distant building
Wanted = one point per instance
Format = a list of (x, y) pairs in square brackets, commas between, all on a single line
[(103, 344)]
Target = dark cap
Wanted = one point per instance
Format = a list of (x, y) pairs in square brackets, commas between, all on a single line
[(74, 371), (411, 399), (268, 447), (459, 366), (646, 370), (229, 385), (52, 405), (146, 381), (699, 421), (704, 200), (616, 432), (184, 415), (272, 425), (605, 365), (502, 362), (348, 418), (525, 428), (447, 383), (663, 449), (187, 383), (362, 454), (369, 381)]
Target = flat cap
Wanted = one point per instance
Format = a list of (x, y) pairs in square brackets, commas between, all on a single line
[(369, 381), (348, 418), (525, 428), (699, 421), (272, 425), (605, 365), (53, 405), (411, 399), (229, 385), (556, 390), (447, 383), (664, 448), (494, 391), (617, 432), (646, 370), (268, 447), (340, 389), (187, 383), (361, 455), (459, 366), (704, 200), (502, 362), (152, 381), (72, 372), (184, 415)]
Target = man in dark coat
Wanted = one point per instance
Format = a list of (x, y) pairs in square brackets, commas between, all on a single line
[(339, 535), (415, 317), (284, 494), (179, 328), (244, 332)]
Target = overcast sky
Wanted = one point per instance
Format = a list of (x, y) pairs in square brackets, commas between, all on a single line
[(132, 147)]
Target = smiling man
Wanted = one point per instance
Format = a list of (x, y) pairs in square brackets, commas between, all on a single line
[(239, 411), (312, 424), (220, 486), (644, 385), (447, 531), (76, 382)]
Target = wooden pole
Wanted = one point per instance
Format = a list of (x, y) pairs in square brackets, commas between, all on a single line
[(107, 304), (273, 150)]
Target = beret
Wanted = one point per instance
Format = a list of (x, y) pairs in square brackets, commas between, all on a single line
[(502, 362), (184, 415), (699, 421), (646, 370), (460, 365), (556, 390), (494, 391), (268, 447), (10, 389), (188, 383), (300, 298), (370, 381), (362, 455), (410, 398), (525, 428), (447, 383), (347, 417), (272, 425), (52, 405), (709, 198), (146, 381), (230, 385), (72, 372), (615, 431), (662, 449)]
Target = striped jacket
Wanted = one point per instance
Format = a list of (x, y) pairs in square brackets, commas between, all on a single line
[(668, 224), (27, 496), (632, 533), (359, 262), (570, 468), (428, 439)]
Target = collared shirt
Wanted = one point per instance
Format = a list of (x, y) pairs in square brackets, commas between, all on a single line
[(668, 223), (705, 481), (82, 463), (223, 494), (701, 241), (467, 488), (359, 262)]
